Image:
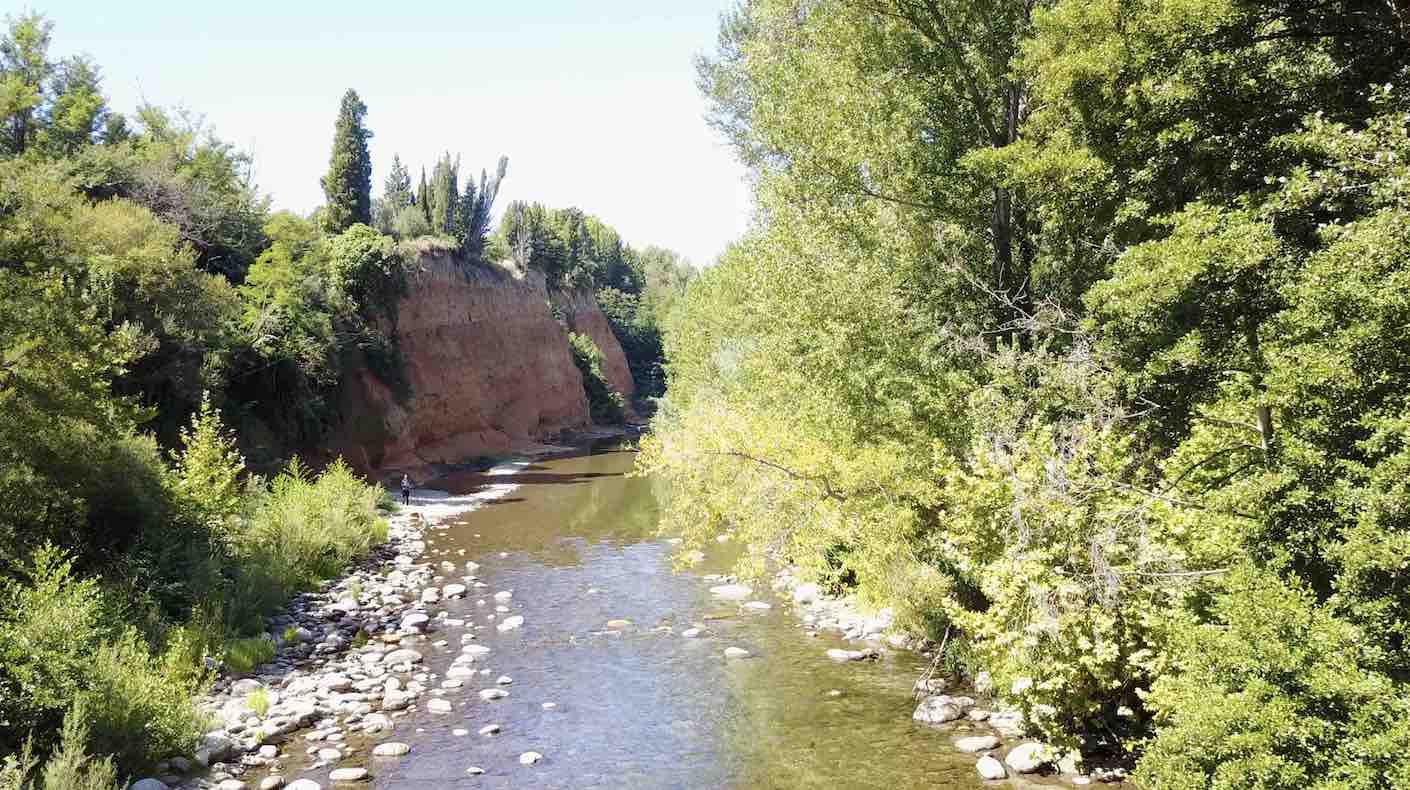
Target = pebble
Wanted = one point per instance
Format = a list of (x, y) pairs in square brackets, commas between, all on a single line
[(757, 605), (529, 758), (504, 680), (439, 706), (736, 652), (490, 729), (303, 784), (348, 774), (618, 623), (732, 592), (493, 694), (838, 654), (989, 768), (503, 595), (460, 732), (690, 633), (976, 743), (271, 783), (511, 623), (390, 749), (1026, 758), (550, 705), (474, 770), (404, 655)]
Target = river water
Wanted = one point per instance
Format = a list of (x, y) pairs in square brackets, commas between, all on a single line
[(641, 706)]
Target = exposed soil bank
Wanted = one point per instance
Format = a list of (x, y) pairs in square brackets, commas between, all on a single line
[(487, 370)]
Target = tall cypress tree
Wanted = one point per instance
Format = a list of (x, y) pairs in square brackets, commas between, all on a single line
[(348, 185), (423, 197)]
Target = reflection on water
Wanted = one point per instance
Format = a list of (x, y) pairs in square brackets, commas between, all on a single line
[(643, 706)]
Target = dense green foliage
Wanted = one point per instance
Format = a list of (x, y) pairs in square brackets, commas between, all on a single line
[(1077, 330), (145, 290), (636, 289)]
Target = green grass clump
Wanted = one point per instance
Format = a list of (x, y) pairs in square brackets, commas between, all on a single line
[(258, 701), (243, 655)]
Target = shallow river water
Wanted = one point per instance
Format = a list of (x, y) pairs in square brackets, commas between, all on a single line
[(641, 705)]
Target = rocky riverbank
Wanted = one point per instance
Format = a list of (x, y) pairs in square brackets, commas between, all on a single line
[(346, 665), (985, 726)]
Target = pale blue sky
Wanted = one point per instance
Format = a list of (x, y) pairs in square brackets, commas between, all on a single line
[(594, 102)]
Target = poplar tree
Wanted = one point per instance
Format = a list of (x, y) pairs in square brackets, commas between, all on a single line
[(348, 185)]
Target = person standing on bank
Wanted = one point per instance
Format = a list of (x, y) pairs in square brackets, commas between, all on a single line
[(406, 489)]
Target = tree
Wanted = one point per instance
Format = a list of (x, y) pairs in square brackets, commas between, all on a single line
[(25, 71), (443, 194), (348, 184), (476, 207), (78, 111)]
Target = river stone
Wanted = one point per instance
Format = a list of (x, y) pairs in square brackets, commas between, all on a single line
[(690, 633), (460, 732), (269, 751), (453, 590), (618, 623), (148, 784), (757, 605), (989, 768), (348, 775), (938, 709), (731, 592), (232, 784), (460, 671), (529, 758), (474, 651), (503, 595), (404, 655), (490, 729), (390, 749), (415, 620), (1026, 758), (493, 694), (838, 654), (736, 652), (303, 784), (805, 593), (271, 783), (504, 680), (511, 623), (474, 770), (976, 743), (330, 755)]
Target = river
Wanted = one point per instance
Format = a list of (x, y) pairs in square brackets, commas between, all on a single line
[(640, 705)]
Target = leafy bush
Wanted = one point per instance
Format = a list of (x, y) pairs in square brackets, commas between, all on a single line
[(1274, 692), (50, 624), (605, 404), (72, 767), (62, 650), (140, 712)]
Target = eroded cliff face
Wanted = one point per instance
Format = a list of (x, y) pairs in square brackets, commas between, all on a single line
[(583, 315), (487, 370)]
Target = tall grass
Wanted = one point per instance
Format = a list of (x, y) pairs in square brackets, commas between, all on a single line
[(303, 530)]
